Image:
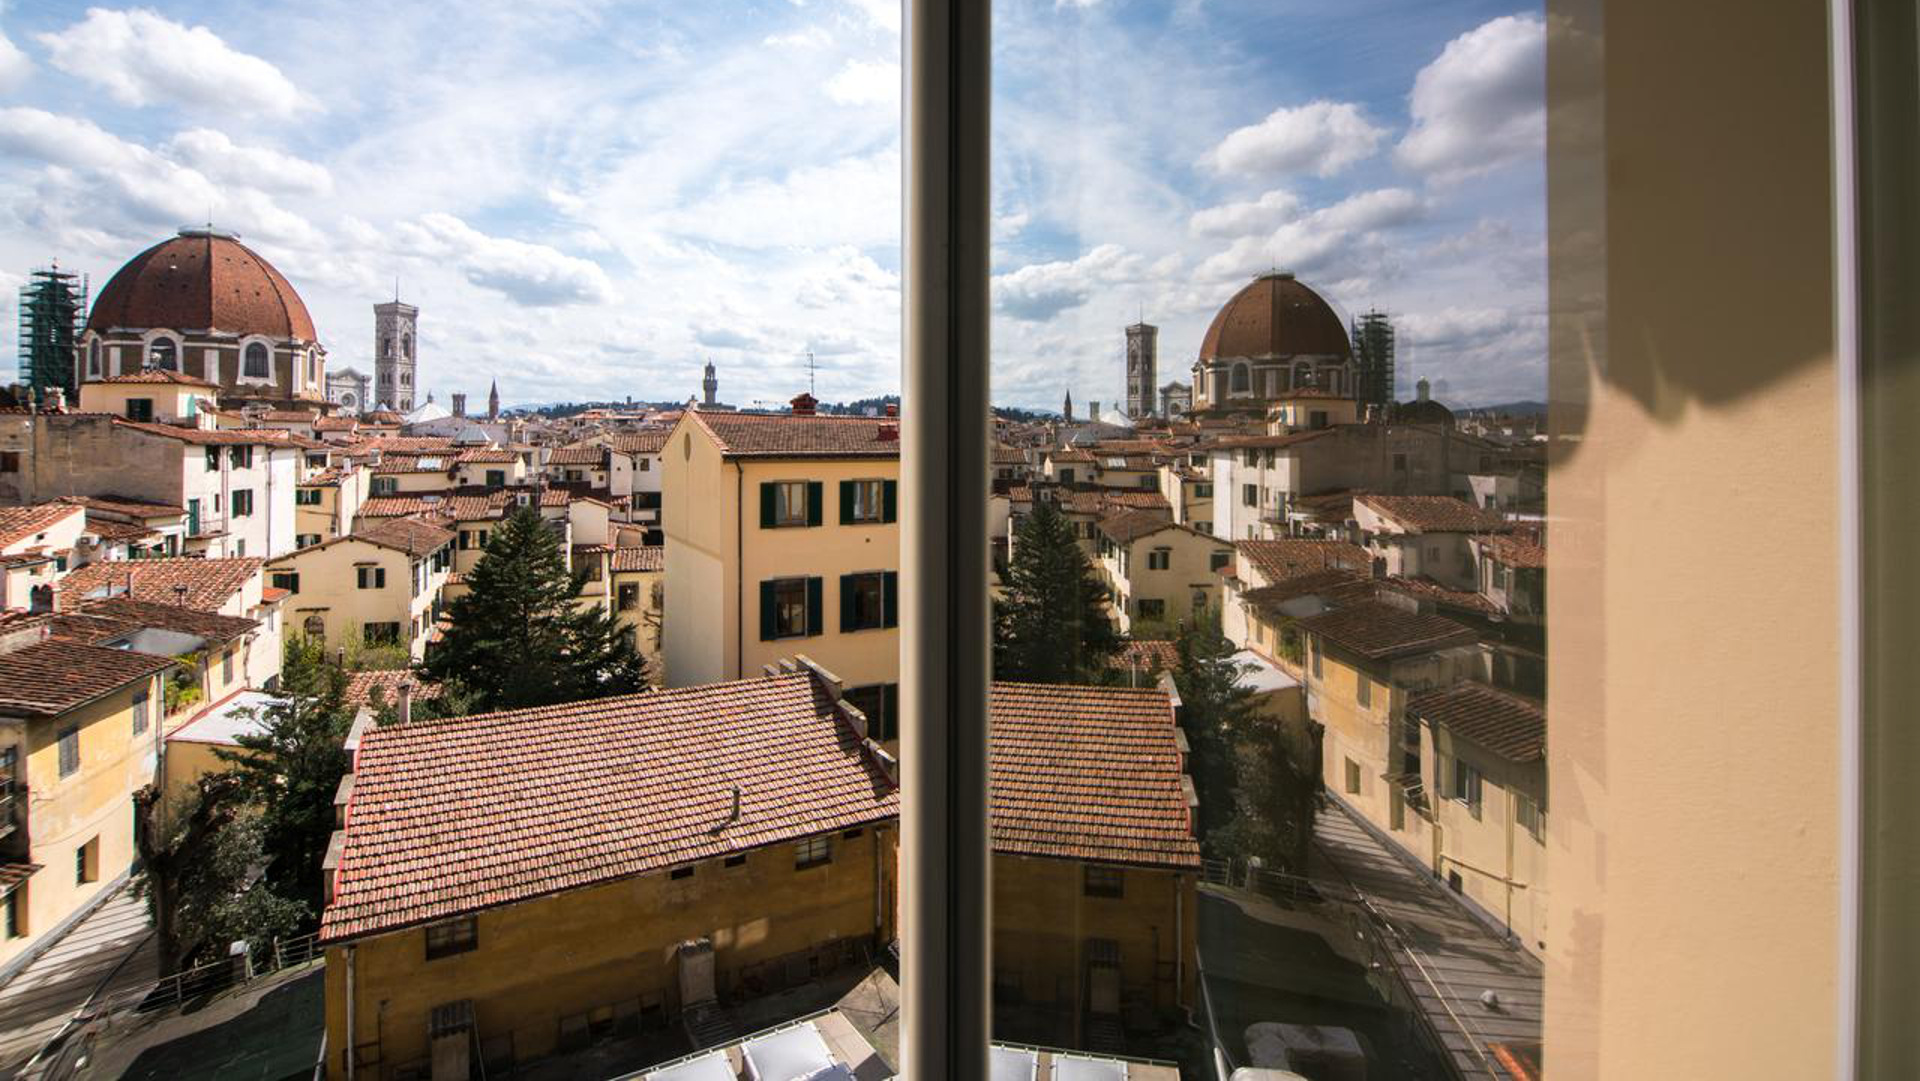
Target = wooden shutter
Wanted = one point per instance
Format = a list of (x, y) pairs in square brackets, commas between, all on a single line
[(890, 601), (766, 505), (846, 503), (814, 621), (768, 626), (890, 709), (816, 495), (846, 584), (890, 493)]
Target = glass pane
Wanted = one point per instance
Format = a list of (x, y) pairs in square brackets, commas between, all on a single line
[(1270, 362)]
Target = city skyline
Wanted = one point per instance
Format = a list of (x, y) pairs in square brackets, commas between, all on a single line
[(730, 191)]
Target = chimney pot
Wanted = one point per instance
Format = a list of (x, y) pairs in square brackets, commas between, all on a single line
[(406, 701)]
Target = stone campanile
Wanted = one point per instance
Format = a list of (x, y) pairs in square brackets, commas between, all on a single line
[(1143, 363), (394, 380)]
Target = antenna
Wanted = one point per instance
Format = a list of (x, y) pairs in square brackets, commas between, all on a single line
[(810, 372)]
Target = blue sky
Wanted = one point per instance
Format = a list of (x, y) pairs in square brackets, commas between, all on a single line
[(590, 199)]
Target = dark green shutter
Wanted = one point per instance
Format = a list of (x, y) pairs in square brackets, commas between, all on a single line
[(766, 506), (814, 621), (846, 502), (816, 495), (846, 597), (890, 708), (891, 600), (768, 627), (890, 500)]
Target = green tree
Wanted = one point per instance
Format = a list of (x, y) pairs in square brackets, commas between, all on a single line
[(520, 637), (1258, 786), (201, 853), (1050, 624), (291, 768)]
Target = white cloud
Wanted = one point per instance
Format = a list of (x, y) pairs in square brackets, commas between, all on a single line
[(1317, 241), (14, 64), (863, 82), (1482, 103), (532, 275), (1239, 219), (1320, 137), (882, 13), (850, 201), (1040, 291), (144, 58), (221, 159)]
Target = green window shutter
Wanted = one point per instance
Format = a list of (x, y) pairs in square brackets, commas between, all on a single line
[(816, 495), (766, 506), (891, 600), (814, 623), (890, 501), (846, 502), (768, 626), (890, 697), (846, 598)]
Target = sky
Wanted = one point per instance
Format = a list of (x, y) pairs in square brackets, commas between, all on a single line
[(591, 200)]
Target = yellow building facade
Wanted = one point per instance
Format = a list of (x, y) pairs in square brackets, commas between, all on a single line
[(380, 583)]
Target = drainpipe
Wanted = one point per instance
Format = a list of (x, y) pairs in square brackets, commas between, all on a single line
[(1180, 946), (351, 1013), (1513, 806)]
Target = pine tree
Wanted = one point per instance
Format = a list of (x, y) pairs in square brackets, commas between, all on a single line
[(519, 636), (1258, 783), (199, 851), (1051, 624), (291, 768)]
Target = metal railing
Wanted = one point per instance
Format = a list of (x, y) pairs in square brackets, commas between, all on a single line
[(214, 976)]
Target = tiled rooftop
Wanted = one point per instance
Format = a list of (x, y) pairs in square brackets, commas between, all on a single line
[(360, 686), (158, 376), (211, 437), (409, 535), (1514, 551), (585, 456), (21, 523), (1287, 558), (782, 435), (100, 620), (1130, 525), (1380, 629), (50, 677), (1505, 723), (1433, 513), (1089, 773), (126, 507), (452, 816), (210, 583)]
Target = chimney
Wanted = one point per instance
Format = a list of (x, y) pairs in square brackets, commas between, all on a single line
[(734, 815), (179, 595), (406, 700), (889, 433), (803, 404), (893, 409)]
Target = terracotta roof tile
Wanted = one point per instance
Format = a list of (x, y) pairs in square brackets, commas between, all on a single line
[(404, 506), (1150, 657), (1335, 586), (1089, 773), (1510, 726), (1130, 525), (635, 558), (19, 523), (360, 686), (158, 376), (210, 437), (783, 435), (647, 442), (210, 583), (588, 455), (1516, 552), (100, 620), (114, 532), (125, 506), (453, 816), (202, 280), (1380, 629), (53, 676), (410, 535), (1429, 589), (1289, 557), (1434, 513)]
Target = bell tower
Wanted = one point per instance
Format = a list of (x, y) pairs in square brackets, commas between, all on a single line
[(394, 326), (1143, 363)]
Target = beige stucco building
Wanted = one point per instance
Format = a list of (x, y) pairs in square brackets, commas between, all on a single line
[(380, 583)]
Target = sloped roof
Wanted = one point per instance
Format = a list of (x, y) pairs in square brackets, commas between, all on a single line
[(51, 677), (1289, 557), (1514, 551), (785, 435), (453, 816), (588, 455), (360, 686), (1513, 727), (1130, 525), (646, 442), (1433, 513), (1089, 773), (212, 437), (99, 620), (409, 535), (19, 523), (210, 583), (159, 376), (1380, 629)]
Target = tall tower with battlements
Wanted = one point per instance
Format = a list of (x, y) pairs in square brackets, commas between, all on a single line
[(394, 326), (1143, 365)]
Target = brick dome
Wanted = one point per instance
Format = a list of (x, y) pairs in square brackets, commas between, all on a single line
[(202, 279), (1275, 316)]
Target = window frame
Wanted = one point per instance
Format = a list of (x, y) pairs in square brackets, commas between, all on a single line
[(811, 852), (458, 935)]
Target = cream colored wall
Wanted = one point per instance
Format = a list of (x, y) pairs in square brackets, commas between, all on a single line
[(572, 952), (328, 585), (700, 497), (95, 802), (1502, 866), (1189, 568), (1694, 734), (170, 402)]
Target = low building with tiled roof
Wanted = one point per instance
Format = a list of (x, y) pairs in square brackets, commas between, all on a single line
[(361, 686), (1157, 571), (1424, 535), (1267, 562), (1146, 658), (227, 586), (1092, 818), (786, 435), (1481, 779), (1512, 572), (628, 582), (749, 820)]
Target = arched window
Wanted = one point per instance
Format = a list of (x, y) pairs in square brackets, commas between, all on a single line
[(1302, 376), (93, 358), (386, 347), (316, 627), (406, 379), (406, 346), (164, 353), (1219, 385), (256, 365), (1241, 381)]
